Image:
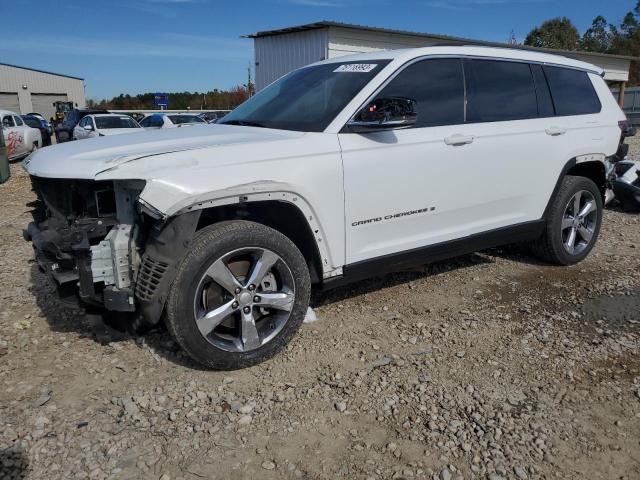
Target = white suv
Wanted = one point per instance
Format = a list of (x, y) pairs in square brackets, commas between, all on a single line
[(340, 170)]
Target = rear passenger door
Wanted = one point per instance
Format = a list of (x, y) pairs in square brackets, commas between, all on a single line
[(508, 103)]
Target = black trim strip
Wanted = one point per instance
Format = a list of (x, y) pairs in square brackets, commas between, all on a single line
[(433, 253)]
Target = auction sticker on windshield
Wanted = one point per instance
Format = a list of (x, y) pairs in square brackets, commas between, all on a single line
[(356, 67)]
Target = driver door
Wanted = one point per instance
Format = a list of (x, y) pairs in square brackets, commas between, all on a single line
[(399, 184)]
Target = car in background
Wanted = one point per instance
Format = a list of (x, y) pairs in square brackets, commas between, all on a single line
[(20, 139), (171, 120), (213, 116), (46, 122), (64, 131), (137, 116), (104, 124), (42, 125)]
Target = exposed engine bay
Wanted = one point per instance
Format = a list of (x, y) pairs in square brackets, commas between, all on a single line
[(87, 236)]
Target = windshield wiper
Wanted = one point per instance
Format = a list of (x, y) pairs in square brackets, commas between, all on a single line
[(243, 123)]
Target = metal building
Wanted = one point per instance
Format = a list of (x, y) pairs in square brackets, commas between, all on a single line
[(26, 90), (277, 52)]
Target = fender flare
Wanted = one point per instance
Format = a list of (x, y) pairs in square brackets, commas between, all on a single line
[(172, 236), (292, 198), (565, 170)]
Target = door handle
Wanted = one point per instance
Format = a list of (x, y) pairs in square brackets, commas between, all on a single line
[(555, 131), (457, 140)]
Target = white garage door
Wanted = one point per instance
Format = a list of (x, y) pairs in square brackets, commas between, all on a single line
[(43, 103), (9, 101)]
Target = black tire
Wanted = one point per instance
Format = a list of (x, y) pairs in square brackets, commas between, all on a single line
[(209, 245), (549, 246)]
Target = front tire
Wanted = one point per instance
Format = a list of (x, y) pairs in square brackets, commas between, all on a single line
[(239, 295), (573, 224)]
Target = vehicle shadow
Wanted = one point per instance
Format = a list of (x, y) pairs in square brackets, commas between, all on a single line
[(13, 463), (72, 318), (66, 318), (397, 278)]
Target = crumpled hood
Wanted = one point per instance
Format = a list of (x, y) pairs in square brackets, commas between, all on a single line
[(85, 159)]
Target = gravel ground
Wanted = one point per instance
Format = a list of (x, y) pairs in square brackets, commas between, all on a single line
[(490, 366)]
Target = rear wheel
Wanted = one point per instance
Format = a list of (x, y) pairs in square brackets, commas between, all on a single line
[(573, 223), (239, 295)]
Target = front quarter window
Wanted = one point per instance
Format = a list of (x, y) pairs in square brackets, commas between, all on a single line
[(308, 99)]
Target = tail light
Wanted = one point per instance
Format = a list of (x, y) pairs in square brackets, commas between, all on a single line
[(626, 130)]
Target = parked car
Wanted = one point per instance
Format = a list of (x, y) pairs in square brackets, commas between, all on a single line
[(101, 125), (137, 116), (341, 170), (44, 121), (20, 139), (64, 130), (170, 120), (43, 126), (213, 116)]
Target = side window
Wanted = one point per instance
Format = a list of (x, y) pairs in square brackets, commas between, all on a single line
[(83, 122), (437, 86), (7, 121), (156, 121), (499, 91), (545, 105), (18, 121), (145, 122), (572, 91)]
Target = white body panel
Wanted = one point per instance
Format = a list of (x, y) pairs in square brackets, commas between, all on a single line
[(505, 177), (19, 137)]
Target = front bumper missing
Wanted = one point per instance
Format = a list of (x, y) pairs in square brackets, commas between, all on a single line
[(65, 257)]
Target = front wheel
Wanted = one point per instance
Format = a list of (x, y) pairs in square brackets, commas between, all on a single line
[(239, 295), (573, 224)]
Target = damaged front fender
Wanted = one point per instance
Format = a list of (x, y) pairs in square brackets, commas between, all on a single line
[(166, 246)]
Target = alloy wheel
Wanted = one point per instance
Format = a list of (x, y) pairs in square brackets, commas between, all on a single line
[(579, 222), (244, 299)]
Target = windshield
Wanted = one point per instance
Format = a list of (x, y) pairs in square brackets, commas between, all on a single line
[(105, 123), (306, 100), (71, 119), (182, 119)]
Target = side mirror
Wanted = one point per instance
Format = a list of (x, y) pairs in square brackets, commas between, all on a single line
[(88, 128), (384, 114)]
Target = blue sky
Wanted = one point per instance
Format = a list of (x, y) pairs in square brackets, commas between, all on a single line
[(136, 46)]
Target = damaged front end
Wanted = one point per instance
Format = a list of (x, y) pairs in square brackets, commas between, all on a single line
[(87, 236)]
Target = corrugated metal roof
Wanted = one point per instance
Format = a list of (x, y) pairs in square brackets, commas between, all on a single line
[(444, 38), (41, 71)]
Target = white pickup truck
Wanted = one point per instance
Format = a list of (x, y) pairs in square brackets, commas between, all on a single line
[(344, 169)]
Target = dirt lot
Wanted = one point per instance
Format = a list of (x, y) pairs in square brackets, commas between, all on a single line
[(489, 366)]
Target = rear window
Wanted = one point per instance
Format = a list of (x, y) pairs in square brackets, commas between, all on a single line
[(572, 91), (105, 123), (33, 122), (72, 119), (499, 91), (181, 119)]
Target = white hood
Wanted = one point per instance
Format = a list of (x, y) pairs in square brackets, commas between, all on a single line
[(88, 158)]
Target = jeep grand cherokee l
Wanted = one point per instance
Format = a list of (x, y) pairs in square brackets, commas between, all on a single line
[(337, 171)]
